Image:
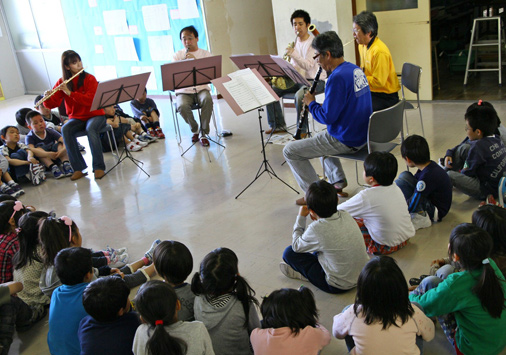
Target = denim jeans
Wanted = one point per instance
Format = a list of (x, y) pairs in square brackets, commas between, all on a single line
[(298, 155), (275, 116), (308, 265), (407, 183), (92, 126), (20, 170)]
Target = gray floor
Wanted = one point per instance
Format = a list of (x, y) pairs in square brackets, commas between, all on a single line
[(192, 200)]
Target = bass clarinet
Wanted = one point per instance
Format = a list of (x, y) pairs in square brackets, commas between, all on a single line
[(304, 114)]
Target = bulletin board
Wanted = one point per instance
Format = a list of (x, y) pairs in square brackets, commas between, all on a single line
[(117, 38)]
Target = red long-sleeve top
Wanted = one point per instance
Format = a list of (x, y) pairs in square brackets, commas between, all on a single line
[(79, 102)]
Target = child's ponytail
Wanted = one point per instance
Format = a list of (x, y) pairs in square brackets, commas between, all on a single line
[(489, 290), (245, 294), (156, 302), (28, 236)]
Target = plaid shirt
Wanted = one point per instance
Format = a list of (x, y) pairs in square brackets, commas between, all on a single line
[(9, 245)]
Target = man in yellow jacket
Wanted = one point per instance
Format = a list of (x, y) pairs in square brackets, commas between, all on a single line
[(376, 62)]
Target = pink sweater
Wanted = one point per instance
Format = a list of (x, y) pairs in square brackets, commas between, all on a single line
[(279, 341)]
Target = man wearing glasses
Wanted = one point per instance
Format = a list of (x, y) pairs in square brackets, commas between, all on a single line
[(345, 111), (376, 62)]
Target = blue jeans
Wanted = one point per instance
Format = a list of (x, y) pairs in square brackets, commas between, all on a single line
[(20, 170), (92, 126), (307, 264), (407, 183)]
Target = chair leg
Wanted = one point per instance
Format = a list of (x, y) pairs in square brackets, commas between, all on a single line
[(356, 173), (115, 146), (177, 132), (213, 117), (406, 120), (323, 166), (421, 120)]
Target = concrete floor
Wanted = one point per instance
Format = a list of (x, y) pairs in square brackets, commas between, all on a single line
[(192, 200)]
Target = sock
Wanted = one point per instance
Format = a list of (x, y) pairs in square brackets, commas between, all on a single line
[(156, 124), (108, 259), (3, 184), (145, 260), (11, 183), (51, 166)]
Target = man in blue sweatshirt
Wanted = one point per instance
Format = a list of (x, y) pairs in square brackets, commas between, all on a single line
[(345, 111)]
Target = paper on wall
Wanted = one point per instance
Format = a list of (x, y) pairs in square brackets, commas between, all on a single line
[(151, 84), (92, 3), (161, 48), (115, 22), (156, 18), (98, 30), (174, 14), (187, 9), (99, 48), (125, 49), (133, 29), (105, 72)]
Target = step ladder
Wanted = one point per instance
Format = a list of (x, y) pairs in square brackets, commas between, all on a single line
[(475, 43)]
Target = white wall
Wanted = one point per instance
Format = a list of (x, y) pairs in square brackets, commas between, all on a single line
[(10, 77), (239, 27)]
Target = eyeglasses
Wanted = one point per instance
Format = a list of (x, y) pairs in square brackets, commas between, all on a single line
[(356, 30), (316, 56)]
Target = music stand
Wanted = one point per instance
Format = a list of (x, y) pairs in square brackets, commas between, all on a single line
[(265, 167), (190, 73), (115, 91)]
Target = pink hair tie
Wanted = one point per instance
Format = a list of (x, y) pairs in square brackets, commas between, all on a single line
[(480, 102), (18, 206), (68, 222)]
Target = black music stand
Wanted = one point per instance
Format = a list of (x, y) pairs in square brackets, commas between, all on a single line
[(115, 91), (190, 73), (265, 167)]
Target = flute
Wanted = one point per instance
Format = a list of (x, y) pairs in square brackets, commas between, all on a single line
[(53, 91)]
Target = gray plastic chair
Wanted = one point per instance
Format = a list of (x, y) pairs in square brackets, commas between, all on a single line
[(384, 126), (410, 79)]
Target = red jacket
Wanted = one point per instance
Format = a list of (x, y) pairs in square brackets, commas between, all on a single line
[(79, 102)]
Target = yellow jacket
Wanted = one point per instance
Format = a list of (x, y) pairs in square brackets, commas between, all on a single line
[(378, 67)]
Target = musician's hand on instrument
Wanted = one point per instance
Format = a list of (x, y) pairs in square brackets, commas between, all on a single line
[(47, 92), (63, 87), (448, 162), (308, 98), (190, 56), (303, 211), (289, 51)]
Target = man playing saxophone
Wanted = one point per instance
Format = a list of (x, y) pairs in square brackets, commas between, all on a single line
[(302, 58)]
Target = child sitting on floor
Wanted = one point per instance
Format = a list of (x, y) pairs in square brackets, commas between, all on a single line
[(21, 122), (8, 185), (289, 325), (10, 213), (330, 252), (162, 332), (47, 146), (122, 131), (13, 314), (225, 303), (53, 118), (145, 109), (429, 189), (383, 320), (478, 163), (381, 211), (174, 263), (109, 317), (21, 159)]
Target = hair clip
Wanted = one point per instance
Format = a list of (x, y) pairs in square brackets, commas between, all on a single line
[(485, 261), (18, 230), (480, 102), (68, 222), (159, 322), (18, 206)]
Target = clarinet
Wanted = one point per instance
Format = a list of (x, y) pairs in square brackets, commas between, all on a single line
[(305, 111)]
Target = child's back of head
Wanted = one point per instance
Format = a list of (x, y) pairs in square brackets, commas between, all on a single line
[(10, 213), (382, 166), (104, 298), (482, 116), (295, 309), (173, 261), (382, 292), (28, 237), (416, 148), (492, 219), (473, 246), (55, 235), (21, 116), (321, 197), (72, 265)]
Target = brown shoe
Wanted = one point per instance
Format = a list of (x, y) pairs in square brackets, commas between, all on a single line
[(301, 201), (99, 174), (77, 175)]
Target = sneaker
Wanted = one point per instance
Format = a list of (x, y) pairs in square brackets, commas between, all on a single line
[(17, 189), (132, 147), (149, 253), (420, 220), (118, 261), (159, 133), (441, 163), (152, 132), (142, 138), (140, 143), (80, 147), (67, 169), (57, 173), (204, 142), (34, 174), (195, 138), (289, 272), (6, 189), (42, 172), (118, 251), (148, 138)]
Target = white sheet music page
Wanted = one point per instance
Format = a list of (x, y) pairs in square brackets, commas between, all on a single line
[(247, 90)]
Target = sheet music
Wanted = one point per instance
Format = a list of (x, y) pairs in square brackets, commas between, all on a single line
[(247, 90)]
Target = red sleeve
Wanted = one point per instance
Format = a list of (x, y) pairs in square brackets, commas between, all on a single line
[(90, 88), (55, 99)]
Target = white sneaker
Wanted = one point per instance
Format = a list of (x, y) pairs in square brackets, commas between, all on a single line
[(289, 272), (140, 143), (132, 147), (420, 220)]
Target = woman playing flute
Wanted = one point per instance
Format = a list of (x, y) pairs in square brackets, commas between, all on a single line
[(78, 95)]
